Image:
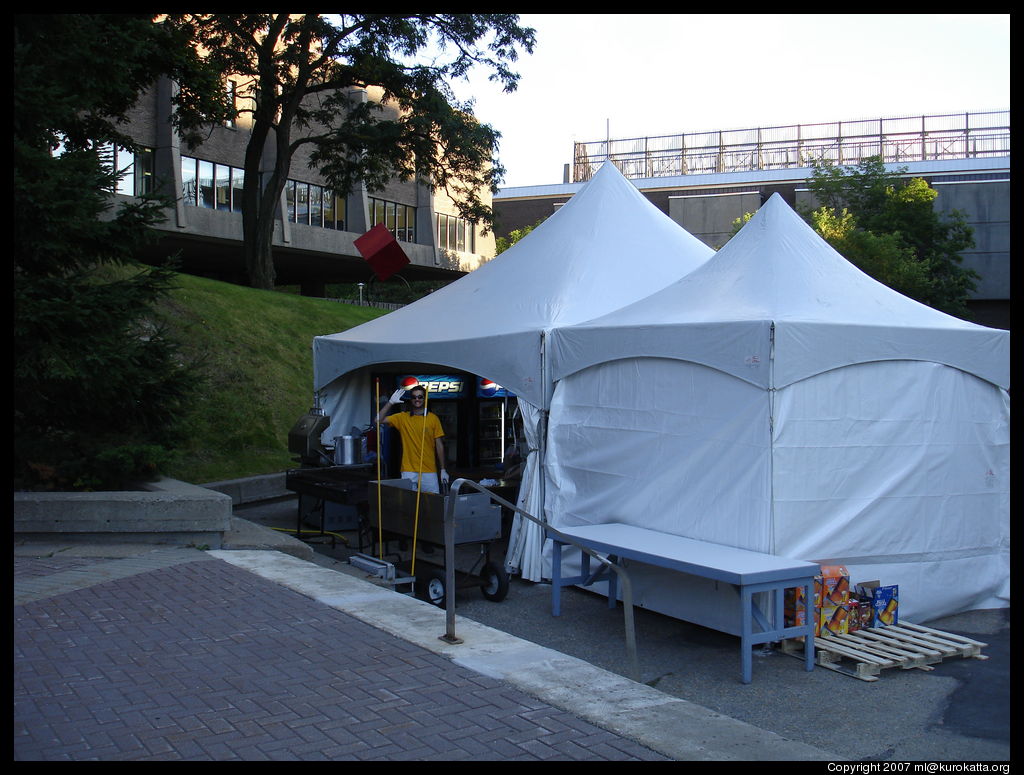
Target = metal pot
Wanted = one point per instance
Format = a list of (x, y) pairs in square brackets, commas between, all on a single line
[(348, 450)]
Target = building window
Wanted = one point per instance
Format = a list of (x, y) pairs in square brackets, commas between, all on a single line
[(211, 185), (232, 90), (314, 205), (206, 184), (188, 180), (399, 219), (219, 186), (135, 169), (302, 203), (237, 181), (222, 176), (334, 211), (454, 233)]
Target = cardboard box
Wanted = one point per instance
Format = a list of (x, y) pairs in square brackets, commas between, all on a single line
[(794, 617), (861, 614), (832, 587), (884, 602), (835, 620), (793, 598), (831, 602), (828, 621)]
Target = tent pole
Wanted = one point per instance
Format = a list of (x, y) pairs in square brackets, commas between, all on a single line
[(771, 438), (542, 433)]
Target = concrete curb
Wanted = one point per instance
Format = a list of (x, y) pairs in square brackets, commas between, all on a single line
[(253, 488), (246, 535), (677, 728)]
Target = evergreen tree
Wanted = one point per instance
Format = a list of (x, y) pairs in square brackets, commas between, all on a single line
[(97, 384)]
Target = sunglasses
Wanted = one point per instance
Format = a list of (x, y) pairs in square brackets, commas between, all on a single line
[(418, 398)]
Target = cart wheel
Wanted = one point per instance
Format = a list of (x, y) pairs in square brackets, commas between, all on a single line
[(433, 589), (495, 582)]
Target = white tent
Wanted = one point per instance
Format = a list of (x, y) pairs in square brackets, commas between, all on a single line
[(606, 247), (778, 399)]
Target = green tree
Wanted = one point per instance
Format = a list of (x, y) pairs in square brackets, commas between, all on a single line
[(501, 244), (97, 384), (883, 256), (887, 225), (304, 73)]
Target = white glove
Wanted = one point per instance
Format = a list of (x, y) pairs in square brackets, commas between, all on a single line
[(396, 397), (444, 477)]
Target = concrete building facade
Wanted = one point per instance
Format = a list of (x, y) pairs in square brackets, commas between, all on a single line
[(315, 230), (728, 180)]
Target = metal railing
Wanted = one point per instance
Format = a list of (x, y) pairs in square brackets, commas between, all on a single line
[(390, 305), (896, 140), (449, 565)]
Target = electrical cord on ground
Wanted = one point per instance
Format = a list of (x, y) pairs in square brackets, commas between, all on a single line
[(343, 539)]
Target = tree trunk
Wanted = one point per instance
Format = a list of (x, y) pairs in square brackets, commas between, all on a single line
[(259, 201), (258, 238), (259, 209)]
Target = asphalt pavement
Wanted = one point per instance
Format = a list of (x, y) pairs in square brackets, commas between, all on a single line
[(157, 653), (959, 710)]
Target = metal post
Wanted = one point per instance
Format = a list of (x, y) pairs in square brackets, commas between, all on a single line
[(449, 561)]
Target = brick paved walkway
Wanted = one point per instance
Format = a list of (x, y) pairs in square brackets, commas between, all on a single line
[(177, 655)]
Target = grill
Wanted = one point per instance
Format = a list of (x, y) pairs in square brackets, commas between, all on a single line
[(304, 439)]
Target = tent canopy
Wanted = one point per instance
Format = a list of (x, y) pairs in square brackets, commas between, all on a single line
[(606, 247), (826, 313)]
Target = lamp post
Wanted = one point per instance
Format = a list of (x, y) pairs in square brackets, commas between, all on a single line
[(360, 292)]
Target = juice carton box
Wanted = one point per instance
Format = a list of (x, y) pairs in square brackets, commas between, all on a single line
[(883, 602), (832, 586), (835, 620)]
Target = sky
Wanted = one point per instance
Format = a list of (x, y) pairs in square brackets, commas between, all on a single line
[(636, 75)]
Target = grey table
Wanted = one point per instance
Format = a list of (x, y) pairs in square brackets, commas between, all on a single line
[(748, 571)]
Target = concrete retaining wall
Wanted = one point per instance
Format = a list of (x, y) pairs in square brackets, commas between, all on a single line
[(166, 511)]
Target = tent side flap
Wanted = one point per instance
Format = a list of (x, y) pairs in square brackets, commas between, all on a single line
[(805, 348), (512, 360), (739, 348)]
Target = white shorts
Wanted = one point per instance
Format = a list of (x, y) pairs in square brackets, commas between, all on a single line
[(428, 484)]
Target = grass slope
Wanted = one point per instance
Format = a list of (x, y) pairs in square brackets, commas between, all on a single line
[(255, 352)]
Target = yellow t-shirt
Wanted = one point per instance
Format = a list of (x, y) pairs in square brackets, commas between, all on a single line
[(417, 440)]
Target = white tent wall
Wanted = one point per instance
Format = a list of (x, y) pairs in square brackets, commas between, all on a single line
[(898, 470), (526, 539), (349, 402), (856, 466), (670, 445)]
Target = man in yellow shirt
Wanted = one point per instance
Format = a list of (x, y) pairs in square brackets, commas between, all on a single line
[(422, 440)]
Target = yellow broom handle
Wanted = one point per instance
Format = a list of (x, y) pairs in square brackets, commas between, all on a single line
[(380, 451)]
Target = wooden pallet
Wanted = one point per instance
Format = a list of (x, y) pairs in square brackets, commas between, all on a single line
[(872, 650)]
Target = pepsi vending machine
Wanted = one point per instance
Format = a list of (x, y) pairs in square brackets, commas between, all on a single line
[(497, 429)]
